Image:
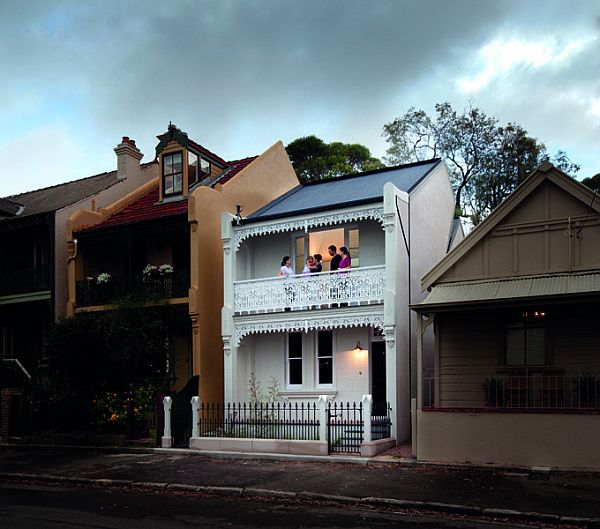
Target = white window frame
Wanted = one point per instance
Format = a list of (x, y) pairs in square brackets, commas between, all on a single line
[(316, 359), (301, 359)]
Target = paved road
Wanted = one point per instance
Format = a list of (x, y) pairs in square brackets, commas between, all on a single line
[(66, 507)]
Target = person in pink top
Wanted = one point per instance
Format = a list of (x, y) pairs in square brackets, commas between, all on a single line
[(346, 261)]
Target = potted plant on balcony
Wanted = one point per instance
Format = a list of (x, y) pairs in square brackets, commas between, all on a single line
[(494, 389)]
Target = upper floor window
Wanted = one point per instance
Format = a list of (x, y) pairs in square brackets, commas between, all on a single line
[(172, 173), (198, 168)]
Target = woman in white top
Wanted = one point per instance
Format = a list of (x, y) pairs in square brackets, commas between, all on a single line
[(286, 267)]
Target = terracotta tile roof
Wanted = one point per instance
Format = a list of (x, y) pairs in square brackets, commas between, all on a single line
[(143, 209), (235, 167), (147, 207)]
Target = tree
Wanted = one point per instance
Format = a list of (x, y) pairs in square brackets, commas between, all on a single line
[(313, 159), (486, 161), (593, 182)]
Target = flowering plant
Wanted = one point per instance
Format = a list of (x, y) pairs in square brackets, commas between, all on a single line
[(152, 272), (103, 278)]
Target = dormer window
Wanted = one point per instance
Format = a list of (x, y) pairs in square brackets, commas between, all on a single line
[(173, 174), (198, 168)]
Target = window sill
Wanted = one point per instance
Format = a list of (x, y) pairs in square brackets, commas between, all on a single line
[(290, 393)]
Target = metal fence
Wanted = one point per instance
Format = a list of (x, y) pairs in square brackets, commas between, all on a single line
[(260, 420), (527, 388), (345, 427), (381, 422)]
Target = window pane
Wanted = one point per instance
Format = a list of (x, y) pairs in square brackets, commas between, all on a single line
[(204, 167), (353, 246), (295, 345), (192, 168), (296, 371), (325, 343), (177, 183), (515, 345), (177, 163), (325, 370), (299, 255), (167, 164), (168, 185), (535, 344)]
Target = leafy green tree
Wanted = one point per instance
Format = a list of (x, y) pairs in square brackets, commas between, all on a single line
[(486, 161), (313, 159)]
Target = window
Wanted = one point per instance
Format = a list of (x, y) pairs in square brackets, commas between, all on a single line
[(526, 341), (324, 358), (353, 246), (294, 359), (192, 169), (204, 167), (299, 254), (173, 173)]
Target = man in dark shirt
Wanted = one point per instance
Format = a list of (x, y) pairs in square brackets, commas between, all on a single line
[(335, 258)]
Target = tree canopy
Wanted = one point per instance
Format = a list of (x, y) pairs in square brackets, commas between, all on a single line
[(313, 159), (593, 182), (486, 161)]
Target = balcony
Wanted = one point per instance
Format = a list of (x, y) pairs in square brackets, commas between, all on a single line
[(356, 286), (118, 287), (24, 281)]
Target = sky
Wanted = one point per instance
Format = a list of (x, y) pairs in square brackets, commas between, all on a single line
[(238, 76)]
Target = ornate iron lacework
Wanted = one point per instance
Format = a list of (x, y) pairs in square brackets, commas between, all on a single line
[(357, 285), (243, 233), (308, 324)]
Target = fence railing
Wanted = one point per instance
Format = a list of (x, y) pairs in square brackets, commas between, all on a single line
[(344, 426), (90, 293), (354, 286), (260, 420), (21, 281), (522, 388)]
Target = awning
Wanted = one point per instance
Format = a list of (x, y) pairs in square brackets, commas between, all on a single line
[(472, 292)]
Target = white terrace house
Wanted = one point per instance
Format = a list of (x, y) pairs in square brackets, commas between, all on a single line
[(339, 334)]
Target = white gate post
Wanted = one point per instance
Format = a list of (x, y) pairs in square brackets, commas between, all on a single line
[(367, 404), (322, 405), (195, 416), (167, 439)]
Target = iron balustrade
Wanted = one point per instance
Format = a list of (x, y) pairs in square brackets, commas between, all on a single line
[(305, 291), (260, 420), (90, 293), (23, 281), (574, 389)]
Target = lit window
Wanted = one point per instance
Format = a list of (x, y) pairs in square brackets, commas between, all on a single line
[(295, 359), (324, 358), (172, 174)]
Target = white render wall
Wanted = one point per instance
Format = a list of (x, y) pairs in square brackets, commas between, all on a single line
[(265, 356)]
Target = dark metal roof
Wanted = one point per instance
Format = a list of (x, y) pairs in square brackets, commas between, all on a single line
[(8, 208), (59, 196), (344, 191)]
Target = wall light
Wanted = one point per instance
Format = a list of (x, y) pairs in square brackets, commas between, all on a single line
[(358, 347)]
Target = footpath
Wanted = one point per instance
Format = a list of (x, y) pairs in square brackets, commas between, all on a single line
[(538, 495)]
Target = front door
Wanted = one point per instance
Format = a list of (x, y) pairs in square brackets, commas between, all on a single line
[(378, 372)]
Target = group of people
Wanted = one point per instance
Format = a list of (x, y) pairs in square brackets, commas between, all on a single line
[(313, 262)]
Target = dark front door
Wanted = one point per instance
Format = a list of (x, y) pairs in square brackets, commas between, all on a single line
[(378, 372)]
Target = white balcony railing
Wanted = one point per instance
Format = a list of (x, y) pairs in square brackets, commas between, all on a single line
[(355, 286)]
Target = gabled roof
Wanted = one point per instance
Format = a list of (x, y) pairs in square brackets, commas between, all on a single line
[(177, 135), (147, 207), (545, 172), (344, 191), (56, 197)]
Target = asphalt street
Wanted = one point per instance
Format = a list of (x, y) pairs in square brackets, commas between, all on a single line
[(25, 506)]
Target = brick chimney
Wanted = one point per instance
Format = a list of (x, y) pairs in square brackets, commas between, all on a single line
[(128, 158)]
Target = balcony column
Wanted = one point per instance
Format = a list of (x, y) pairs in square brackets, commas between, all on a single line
[(227, 324), (230, 352)]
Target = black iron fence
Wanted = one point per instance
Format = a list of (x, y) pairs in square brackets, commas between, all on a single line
[(90, 292), (381, 422), (345, 427), (260, 420), (21, 281)]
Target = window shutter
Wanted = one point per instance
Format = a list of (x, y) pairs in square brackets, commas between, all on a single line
[(515, 345), (535, 343)]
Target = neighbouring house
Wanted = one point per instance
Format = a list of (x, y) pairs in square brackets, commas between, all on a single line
[(33, 275), (514, 376), (163, 240), (336, 334)]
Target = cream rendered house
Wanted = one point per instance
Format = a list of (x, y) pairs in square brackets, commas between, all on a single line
[(514, 376), (336, 334)]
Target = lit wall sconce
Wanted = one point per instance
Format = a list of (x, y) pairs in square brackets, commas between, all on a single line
[(358, 347)]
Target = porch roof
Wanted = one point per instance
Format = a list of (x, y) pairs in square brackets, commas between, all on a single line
[(527, 288)]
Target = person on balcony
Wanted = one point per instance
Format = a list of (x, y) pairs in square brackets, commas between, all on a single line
[(346, 261), (318, 266), (286, 267), (335, 258), (310, 266)]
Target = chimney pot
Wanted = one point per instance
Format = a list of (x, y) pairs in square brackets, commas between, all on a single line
[(125, 139)]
